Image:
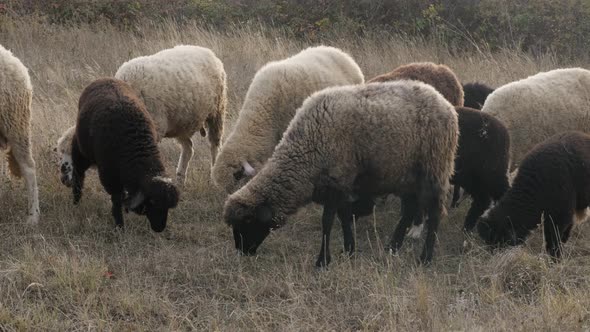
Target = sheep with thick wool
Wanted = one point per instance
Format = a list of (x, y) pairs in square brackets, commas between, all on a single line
[(441, 77), (345, 146), (16, 93), (552, 187), (115, 133), (184, 90), (475, 94), (274, 95), (540, 106)]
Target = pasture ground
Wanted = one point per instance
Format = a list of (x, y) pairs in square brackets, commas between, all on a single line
[(75, 272)]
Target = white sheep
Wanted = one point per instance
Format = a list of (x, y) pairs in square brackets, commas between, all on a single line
[(184, 90), (16, 93), (274, 95), (540, 106), (346, 146)]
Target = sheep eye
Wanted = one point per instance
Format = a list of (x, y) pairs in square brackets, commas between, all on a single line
[(239, 175)]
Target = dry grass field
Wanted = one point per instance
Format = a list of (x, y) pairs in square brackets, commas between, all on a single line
[(75, 272)]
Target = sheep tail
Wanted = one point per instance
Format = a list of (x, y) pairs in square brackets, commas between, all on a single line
[(13, 165), (215, 122)]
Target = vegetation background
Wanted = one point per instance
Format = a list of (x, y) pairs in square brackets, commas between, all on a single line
[(75, 272)]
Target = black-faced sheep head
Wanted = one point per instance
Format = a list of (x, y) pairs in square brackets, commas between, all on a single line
[(497, 229), (251, 224), (154, 202)]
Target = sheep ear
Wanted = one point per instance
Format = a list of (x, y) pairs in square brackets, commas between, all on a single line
[(136, 200), (264, 214), (248, 169)]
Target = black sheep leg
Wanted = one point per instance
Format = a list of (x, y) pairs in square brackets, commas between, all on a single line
[(554, 232), (430, 201), (112, 184), (117, 208), (346, 217), (409, 210), (327, 221), (80, 165), (478, 206)]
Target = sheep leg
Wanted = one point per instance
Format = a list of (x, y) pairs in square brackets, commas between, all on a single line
[(327, 221), (430, 198), (80, 166), (479, 205), (21, 153), (346, 217), (554, 234), (117, 208), (409, 209), (185, 157)]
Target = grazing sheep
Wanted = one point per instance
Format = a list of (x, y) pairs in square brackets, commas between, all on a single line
[(274, 95), (184, 90), (540, 106), (481, 163), (115, 133), (16, 93), (475, 94), (552, 186), (345, 146), (441, 77)]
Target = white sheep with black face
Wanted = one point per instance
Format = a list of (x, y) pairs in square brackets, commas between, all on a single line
[(16, 94), (274, 95)]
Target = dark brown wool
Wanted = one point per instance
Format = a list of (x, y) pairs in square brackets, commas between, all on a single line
[(441, 77), (554, 181), (116, 134), (475, 94)]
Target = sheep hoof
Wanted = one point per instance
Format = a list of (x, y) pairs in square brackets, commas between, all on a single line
[(322, 263)]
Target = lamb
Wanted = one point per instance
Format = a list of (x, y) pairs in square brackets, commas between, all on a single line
[(115, 133), (346, 146), (441, 77), (540, 106), (274, 95), (552, 186), (475, 94), (184, 90), (16, 94)]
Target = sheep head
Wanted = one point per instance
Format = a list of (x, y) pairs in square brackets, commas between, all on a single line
[(154, 202), (63, 152), (496, 229), (232, 176), (251, 223)]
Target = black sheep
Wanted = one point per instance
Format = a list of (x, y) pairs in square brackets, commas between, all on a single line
[(116, 134), (475, 94), (553, 180)]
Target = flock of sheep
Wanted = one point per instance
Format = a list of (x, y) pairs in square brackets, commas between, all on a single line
[(312, 130)]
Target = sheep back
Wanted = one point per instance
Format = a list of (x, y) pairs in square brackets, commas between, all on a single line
[(475, 94), (535, 108), (115, 132), (441, 77), (181, 87), (276, 91)]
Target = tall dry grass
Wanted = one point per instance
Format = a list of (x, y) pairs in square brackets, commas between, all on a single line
[(74, 272)]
